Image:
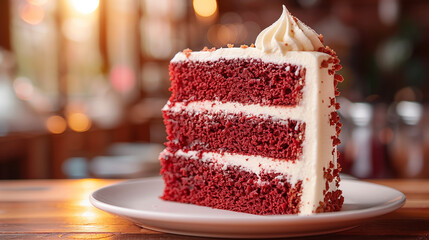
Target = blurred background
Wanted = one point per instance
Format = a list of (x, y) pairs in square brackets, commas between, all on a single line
[(82, 82)]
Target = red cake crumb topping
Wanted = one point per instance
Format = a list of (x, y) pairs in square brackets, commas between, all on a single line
[(335, 141), (332, 101), (248, 81), (188, 180), (334, 59), (295, 19), (338, 127), (187, 52), (338, 78), (230, 45), (335, 66), (244, 46), (235, 133), (320, 38), (327, 174), (334, 104), (333, 200), (336, 172), (334, 118), (337, 106), (324, 64), (252, 45), (206, 49)]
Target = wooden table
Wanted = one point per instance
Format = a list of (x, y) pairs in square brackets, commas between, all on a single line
[(59, 209)]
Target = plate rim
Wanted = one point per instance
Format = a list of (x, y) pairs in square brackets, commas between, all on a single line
[(350, 215)]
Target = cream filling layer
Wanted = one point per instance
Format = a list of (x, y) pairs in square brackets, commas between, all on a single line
[(292, 171), (276, 112)]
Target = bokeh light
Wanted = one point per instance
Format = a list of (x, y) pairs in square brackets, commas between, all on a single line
[(123, 78), (79, 122), (32, 14), (76, 29), (221, 34), (85, 6), (56, 124), (37, 2), (205, 8), (24, 88)]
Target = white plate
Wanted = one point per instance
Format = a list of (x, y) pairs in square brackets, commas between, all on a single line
[(138, 201)]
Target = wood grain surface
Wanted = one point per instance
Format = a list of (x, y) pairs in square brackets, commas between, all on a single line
[(60, 209)]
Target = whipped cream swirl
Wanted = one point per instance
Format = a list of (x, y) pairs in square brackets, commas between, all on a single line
[(288, 34)]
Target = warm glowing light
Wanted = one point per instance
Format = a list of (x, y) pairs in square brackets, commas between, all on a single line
[(56, 124), (76, 29), (90, 184), (37, 2), (23, 88), (205, 8), (84, 202), (78, 122), (219, 35), (90, 215), (85, 6), (32, 14)]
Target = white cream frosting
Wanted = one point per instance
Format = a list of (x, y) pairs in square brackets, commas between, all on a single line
[(292, 57), (276, 112), (314, 110), (288, 34)]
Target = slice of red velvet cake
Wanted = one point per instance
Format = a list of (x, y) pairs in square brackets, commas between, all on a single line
[(255, 129)]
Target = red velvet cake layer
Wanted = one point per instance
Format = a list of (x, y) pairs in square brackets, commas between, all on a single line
[(208, 184), (235, 133), (249, 81)]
